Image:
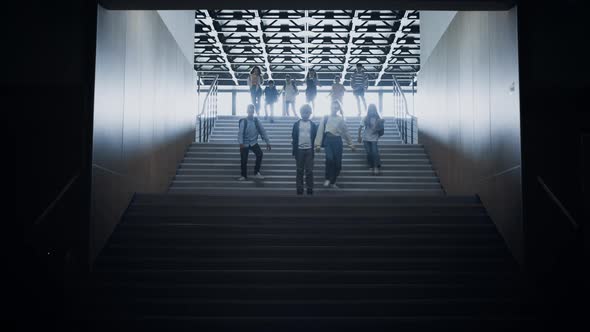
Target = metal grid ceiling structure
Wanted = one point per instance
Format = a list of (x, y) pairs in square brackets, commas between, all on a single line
[(229, 43)]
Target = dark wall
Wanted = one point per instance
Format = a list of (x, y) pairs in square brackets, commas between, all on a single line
[(554, 133), (468, 116), (144, 113), (47, 97)]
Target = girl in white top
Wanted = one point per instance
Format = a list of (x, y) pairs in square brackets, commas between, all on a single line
[(290, 92), (332, 129)]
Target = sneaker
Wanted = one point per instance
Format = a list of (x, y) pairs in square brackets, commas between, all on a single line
[(310, 192), (371, 170), (327, 183), (259, 176), (376, 171), (299, 193), (334, 186), (241, 178)]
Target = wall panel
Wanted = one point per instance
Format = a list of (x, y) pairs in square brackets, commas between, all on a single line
[(145, 106), (468, 110)]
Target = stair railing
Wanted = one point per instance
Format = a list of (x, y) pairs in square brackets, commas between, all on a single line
[(406, 122), (208, 114)]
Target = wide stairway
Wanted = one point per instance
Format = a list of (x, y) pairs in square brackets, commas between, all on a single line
[(180, 262), (217, 255), (214, 166)]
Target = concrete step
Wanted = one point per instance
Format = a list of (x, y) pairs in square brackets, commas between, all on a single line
[(291, 172), (330, 263), (317, 178), (319, 191), (272, 158), (239, 200), (342, 183), (288, 141), (247, 251), (283, 148), (310, 211), (318, 166), (359, 154), (288, 145), (309, 291)]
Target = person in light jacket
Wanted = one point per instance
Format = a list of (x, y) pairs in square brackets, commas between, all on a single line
[(330, 133), (249, 128)]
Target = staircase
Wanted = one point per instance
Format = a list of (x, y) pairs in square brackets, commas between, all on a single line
[(215, 166), (384, 253), (180, 262)]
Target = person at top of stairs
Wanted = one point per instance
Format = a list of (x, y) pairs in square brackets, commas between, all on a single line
[(271, 95), (303, 135), (255, 85), (373, 129), (249, 130), (332, 128)]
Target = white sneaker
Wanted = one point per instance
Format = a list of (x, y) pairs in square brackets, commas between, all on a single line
[(259, 176), (371, 170), (327, 183), (376, 171), (334, 186), (241, 178)]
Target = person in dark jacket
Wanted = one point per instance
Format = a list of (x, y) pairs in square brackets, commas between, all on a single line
[(303, 137), (271, 95)]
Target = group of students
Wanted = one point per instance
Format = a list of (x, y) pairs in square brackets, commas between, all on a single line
[(308, 138), (359, 82)]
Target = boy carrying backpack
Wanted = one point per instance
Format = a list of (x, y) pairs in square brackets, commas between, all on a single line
[(249, 130)]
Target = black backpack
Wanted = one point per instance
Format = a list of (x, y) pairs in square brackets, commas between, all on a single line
[(256, 123)]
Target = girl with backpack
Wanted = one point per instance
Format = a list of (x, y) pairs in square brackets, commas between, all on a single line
[(372, 127)]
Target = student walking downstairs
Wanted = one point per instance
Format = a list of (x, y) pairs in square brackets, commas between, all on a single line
[(332, 129), (303, 135), (249, 130)]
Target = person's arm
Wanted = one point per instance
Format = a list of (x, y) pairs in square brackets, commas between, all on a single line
[(366, 81), (293, 138), (249, 80), (264, 135), (361, 125), (241, 134), (319, 136), (345, 134)]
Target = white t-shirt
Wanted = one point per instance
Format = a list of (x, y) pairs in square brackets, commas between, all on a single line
[(304, 134)]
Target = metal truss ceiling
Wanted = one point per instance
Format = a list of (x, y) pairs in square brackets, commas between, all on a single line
[(229, 42)]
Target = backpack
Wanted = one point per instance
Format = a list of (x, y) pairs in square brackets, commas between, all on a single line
[(381, 126), (256, 123)]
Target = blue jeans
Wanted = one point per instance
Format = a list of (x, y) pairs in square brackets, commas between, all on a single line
[(255, 94), (333, 148), (372, 154)]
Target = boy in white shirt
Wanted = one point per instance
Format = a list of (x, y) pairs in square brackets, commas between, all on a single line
[(303, 135)]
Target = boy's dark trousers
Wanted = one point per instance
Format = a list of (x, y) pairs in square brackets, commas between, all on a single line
[(304, 160), (244, 158)]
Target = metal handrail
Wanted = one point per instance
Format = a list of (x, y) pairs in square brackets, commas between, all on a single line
[(408, 131), (206, 118)]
